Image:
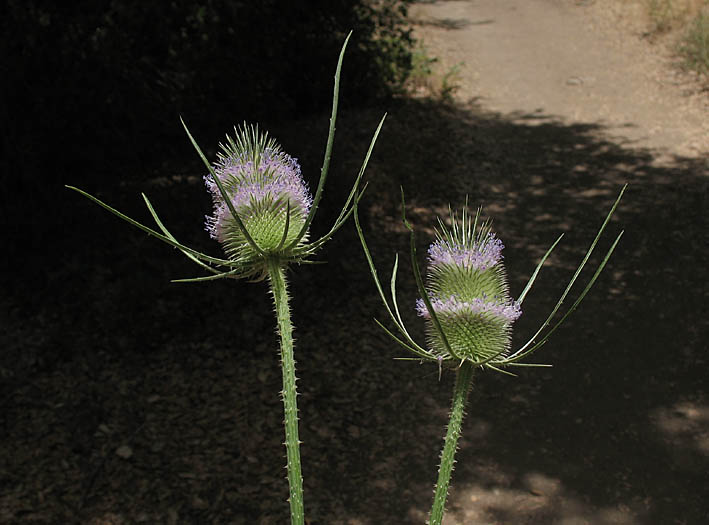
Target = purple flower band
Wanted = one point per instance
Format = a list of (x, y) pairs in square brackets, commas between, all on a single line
[(480, 256), (276, 177), (510, 311)]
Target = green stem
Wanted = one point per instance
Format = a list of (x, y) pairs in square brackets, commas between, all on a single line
[(290, 405), (463, 383)]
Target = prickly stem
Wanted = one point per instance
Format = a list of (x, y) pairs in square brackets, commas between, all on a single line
[(463, 383), (289, 393)]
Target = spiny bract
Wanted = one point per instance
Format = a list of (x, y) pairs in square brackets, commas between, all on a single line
[(468, 291)]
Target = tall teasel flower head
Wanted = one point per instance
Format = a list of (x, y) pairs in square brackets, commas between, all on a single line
[(468, 291), (266, 189), (465, 299)]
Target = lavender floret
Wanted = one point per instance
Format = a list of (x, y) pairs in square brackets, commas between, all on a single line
[(508, 311), (479, 256), (275, 176)]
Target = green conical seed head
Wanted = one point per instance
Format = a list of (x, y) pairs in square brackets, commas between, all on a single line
[(265, 220)]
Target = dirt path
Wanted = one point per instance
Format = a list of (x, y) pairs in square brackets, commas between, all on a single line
[(571, 61), (571, 66)]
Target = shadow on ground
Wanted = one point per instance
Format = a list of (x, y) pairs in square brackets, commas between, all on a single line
[(128, 399)]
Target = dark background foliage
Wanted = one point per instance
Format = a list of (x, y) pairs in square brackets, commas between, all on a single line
[(93, 89)]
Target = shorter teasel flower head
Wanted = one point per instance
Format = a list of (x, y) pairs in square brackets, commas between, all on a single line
[(266, 189), (465, 299), (468, 292)]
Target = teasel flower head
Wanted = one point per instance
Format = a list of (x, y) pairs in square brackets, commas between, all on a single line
[(265, 187), (465, 299), (262, 206), (468, 292)]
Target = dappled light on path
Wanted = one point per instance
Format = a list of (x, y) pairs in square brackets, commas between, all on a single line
[(686, 426), (531, 497)]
